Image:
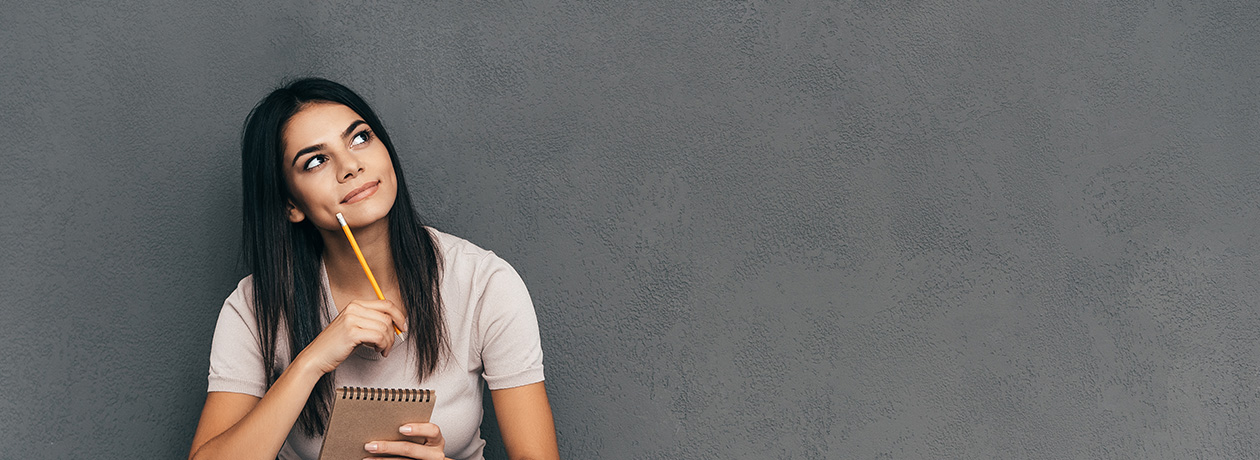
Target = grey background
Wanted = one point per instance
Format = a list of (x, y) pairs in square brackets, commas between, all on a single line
[(863, 229)]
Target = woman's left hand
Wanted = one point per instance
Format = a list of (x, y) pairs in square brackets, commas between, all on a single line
[(426, 443)]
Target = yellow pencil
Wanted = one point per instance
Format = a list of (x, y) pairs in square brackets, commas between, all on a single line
[(363, 262)]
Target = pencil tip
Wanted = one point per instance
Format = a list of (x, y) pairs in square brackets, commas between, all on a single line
[(341, 220)]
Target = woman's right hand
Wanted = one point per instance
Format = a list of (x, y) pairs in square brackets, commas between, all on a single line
[(363, 322)]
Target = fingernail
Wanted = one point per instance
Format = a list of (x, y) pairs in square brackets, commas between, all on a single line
[(405, 429), (370, 447)]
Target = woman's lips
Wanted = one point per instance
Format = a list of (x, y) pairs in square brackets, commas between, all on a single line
[(361, 193)]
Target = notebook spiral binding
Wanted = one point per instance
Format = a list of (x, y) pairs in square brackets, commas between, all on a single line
[(386, 394)]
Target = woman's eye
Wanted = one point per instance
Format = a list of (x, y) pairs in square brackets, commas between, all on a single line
[(314, 161), (361, 138)]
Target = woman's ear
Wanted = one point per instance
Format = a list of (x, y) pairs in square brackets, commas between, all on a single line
[(295, 215)]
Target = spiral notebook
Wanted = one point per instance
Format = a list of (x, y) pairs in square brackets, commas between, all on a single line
[(362, 414)]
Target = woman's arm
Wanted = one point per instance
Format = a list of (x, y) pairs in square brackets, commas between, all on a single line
[(237, 426), (525, 422), (241, 426)]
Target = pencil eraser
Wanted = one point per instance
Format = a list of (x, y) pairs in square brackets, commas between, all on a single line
[(341, 220)]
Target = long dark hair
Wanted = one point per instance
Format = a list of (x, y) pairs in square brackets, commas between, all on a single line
[(285, 257)]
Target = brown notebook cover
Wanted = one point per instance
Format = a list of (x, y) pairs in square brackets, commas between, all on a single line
[(362, 414)]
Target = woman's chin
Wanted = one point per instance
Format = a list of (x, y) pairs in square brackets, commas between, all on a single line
[(363, 214)]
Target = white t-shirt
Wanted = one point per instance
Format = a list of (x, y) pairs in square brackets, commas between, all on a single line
[(491, 327)]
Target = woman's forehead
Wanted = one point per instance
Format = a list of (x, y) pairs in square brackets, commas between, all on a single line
[(317, 123), (316, 117)]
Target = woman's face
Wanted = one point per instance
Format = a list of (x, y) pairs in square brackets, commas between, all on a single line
[(334, 163)]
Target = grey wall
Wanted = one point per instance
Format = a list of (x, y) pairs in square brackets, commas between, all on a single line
[(866, 229)]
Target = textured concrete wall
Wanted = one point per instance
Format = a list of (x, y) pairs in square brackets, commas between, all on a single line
[(862, 229)]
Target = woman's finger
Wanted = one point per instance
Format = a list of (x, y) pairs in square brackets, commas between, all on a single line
[(406, 449), (377, 336), (368, 319), (397, 315), (368, 309), (427, 431)]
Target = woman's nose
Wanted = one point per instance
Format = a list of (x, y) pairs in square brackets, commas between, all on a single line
[(351, 166)]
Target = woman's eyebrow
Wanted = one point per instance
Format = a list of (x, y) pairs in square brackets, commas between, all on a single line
[(313, 148), (349, 130), (318, 147)]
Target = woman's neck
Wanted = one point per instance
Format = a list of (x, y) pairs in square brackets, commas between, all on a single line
[(344, 272)]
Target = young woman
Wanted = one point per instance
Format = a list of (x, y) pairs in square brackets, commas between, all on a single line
[(310, 150)]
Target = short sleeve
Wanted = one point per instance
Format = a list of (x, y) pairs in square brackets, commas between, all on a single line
[(511, 351), (235, 355)]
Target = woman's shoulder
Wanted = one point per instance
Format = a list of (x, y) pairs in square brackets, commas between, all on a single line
[(463, 258), (242, 298), (456, 249)]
